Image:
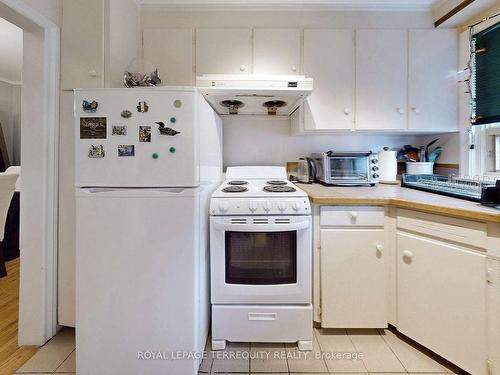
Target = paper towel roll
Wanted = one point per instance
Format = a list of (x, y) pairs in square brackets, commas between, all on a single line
[(388, 165)]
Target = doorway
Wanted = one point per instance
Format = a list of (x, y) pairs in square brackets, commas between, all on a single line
[(39, 113)]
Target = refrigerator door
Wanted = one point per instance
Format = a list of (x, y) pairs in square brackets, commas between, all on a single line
[(119, 143), (138, 281)]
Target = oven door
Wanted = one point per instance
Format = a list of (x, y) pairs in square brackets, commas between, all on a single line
[(349, 169), (261, 259)]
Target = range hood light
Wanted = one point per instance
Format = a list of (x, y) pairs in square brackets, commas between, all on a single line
[(273, 105), (232, 105)]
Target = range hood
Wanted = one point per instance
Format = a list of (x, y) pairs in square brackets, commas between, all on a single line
[(274, 95)]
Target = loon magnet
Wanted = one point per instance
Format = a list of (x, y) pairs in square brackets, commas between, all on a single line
[(165, 130), (89, 107)]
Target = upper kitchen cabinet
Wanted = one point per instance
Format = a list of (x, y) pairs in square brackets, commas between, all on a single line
[(223, 51), (382, 74), (433, 89), (171, 51), (82, 53), (277, 51), (99, 39), (329, 58)]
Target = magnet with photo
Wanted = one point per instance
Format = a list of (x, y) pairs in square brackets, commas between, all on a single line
[(92, 127), (126, 150), (126, 113), (96, 151), (89, 107), (119, 130), (144, 133), (142, 107)]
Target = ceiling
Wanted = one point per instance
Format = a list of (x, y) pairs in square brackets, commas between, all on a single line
[(415, 5), (11, 50)]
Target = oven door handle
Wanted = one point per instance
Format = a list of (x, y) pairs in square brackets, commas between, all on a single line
[(262, 227)]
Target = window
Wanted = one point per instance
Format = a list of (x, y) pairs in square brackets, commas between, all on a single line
[(485, 83)]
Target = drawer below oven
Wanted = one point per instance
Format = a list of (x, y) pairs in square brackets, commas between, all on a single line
[(262, 323)]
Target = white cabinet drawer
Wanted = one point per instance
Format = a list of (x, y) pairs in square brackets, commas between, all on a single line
[(352, 216), (272, 323), (462, 231)]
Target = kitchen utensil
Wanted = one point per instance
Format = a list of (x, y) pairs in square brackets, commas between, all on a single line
[(434, 154)]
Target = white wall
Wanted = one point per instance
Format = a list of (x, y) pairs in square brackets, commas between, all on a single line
[(10, 115), (11, 50), (269, 142)]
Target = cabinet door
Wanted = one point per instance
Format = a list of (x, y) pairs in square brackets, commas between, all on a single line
[(442, 299), (353, 284), (381, 87), (329, 59), (433, 90), (223, 51), (276, 51), (171, 51), (82, 36)]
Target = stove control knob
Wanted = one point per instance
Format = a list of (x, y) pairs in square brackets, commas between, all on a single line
[(223, 206), (375, 168), (295, 206), (375, 175), (282, 206), (267, 205), (252, 206)]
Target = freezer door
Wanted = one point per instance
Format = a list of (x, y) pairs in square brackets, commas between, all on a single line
[(137, 268), (114, 147)]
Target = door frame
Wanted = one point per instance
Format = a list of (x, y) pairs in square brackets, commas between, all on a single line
[(38, 321)]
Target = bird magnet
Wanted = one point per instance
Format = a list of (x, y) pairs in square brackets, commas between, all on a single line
[(89, 107), (165, 130)]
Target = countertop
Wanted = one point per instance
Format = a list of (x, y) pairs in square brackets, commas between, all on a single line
[(400, 197)]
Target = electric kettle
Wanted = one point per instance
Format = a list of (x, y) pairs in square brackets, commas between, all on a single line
[(306, 171)]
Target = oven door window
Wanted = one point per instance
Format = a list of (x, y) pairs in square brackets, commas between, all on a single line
[(349, 168), (261, 258)]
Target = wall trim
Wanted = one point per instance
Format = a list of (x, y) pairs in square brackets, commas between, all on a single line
[(313, 5)]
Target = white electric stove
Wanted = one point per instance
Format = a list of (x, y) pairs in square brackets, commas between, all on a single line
[(261, 259)]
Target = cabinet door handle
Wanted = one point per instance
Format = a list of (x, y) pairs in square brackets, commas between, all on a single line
[(294, 68), (354, 214), (347, 111), (379, 248), (243, 68), (408, 254), (401, 111), (415, 110)]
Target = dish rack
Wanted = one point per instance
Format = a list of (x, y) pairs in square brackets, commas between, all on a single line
[(453, 186)]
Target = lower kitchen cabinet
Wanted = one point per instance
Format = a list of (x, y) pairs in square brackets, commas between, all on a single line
[(442, 299), (353, 281)]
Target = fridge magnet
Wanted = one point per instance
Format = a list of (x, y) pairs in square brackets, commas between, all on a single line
[(119, 130), (96, 151), (92, 127), (144, 133), (165, 130), (126, 150), (177, 103), (142, 107), (89, 107), (126, 113)]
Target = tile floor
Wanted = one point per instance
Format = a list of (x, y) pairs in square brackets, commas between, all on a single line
[(380, 352)]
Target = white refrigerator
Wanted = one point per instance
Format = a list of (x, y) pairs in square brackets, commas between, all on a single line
[(147, 161)]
